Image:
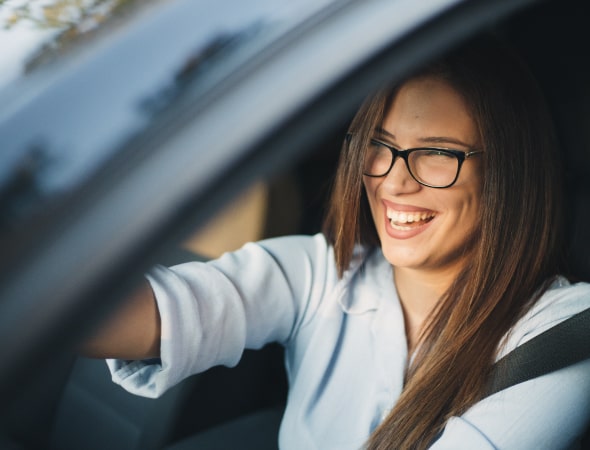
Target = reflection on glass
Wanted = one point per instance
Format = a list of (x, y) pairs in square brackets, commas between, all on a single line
[(35, 31), (174, 66)]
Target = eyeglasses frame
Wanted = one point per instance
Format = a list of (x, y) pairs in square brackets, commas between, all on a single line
[(404, 154)]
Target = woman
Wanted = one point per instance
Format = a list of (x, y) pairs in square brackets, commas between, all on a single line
[(440, 254)]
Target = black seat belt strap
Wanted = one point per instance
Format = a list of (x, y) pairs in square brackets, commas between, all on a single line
[(560, 346)]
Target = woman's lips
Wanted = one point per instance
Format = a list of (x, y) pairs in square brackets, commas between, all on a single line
[(405, 221), (409, 219)]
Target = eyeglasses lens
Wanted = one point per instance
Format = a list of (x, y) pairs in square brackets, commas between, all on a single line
[(433, 167)]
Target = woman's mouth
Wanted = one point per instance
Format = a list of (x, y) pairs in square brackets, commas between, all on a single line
[(408, 220)]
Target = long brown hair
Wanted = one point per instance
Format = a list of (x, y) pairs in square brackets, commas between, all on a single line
[(516, 252)]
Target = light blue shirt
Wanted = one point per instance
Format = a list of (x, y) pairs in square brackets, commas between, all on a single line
[(345, 347)]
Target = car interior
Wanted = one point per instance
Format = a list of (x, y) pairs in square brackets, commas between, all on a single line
[(73, 404)]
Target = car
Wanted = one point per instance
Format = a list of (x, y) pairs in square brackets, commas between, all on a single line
[(154, 132)]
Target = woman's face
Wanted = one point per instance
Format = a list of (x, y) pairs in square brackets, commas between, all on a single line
[(421, 227)]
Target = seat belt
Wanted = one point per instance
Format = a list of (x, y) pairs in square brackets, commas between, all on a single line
[(560, 346), (556, 348)]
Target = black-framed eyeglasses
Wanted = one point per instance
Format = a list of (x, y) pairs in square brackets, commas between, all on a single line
[(434, 167)]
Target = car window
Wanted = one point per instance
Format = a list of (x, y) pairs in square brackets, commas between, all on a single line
[(33, 33), (45, 42)]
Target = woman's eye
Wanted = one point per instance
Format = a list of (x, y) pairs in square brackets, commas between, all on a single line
[(378, 146), (434, 153)]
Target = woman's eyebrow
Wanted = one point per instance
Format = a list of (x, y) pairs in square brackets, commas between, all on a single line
[(384, 132), (428, 140), (444, 140)]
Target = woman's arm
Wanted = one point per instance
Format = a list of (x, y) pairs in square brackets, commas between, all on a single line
[(132, 332), (209, 313)]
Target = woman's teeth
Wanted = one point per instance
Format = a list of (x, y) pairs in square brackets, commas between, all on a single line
[(400, 219)]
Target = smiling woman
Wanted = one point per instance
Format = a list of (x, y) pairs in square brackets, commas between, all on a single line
[(462, 278), (439, 256), (412, 292), (435, 249)]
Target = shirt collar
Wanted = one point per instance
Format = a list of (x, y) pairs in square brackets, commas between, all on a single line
[(368, 280)]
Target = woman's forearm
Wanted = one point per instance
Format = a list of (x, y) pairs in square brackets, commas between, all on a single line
[(132, 331)]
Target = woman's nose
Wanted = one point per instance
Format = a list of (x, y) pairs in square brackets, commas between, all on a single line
[(399, 180)]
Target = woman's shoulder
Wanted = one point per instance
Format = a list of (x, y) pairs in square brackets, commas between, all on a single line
[(294, 248), (304, 241), (315, 247), (559, 302)]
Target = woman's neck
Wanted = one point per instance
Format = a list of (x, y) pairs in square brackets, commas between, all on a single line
[(419, 291)]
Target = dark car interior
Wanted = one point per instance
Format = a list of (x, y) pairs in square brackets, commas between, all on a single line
[(72, 404)]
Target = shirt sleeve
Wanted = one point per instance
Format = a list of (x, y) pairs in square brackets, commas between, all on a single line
[(550, 411), (210, 312)]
